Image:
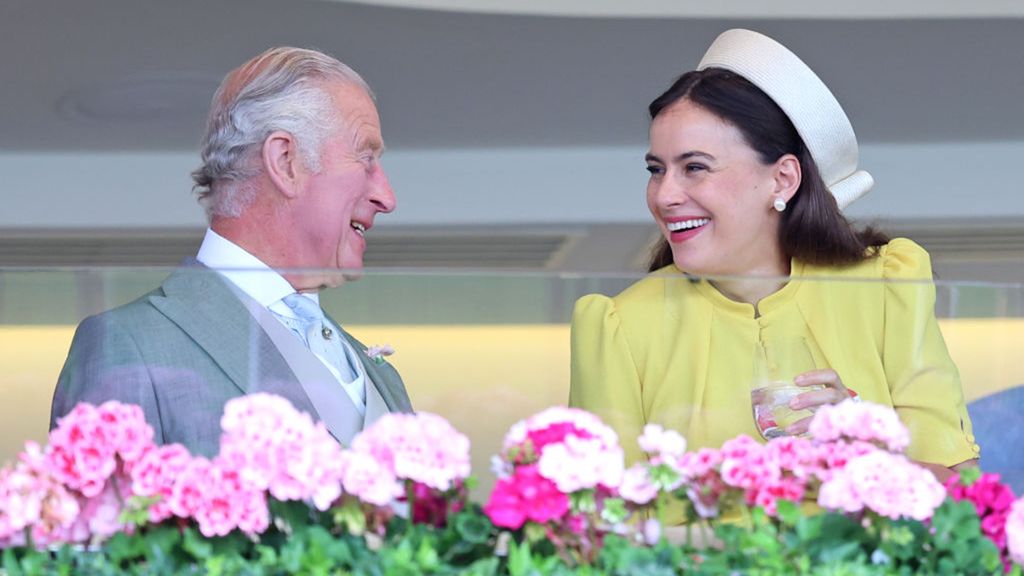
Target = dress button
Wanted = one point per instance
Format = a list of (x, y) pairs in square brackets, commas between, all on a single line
[(970, 438), (977, 449)]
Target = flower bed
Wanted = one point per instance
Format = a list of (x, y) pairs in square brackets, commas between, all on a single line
[(282, 497)]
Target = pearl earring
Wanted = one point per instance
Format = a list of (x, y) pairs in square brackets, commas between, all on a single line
[(779, 204)]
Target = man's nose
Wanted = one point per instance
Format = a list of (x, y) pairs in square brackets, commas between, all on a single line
[(383, 195)]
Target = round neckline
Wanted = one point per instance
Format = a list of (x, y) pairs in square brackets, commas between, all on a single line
[(767, 305)]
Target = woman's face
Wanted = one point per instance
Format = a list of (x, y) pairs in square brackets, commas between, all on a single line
[(712, 196)]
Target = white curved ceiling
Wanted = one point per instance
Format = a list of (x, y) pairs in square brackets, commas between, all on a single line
[(799, 9), (130, 75)]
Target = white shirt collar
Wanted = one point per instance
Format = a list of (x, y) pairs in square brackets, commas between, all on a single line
[(244, 270)]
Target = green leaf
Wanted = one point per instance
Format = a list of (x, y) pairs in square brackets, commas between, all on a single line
[(969, 475), (426, 556), (583, 501), (534, 532), (787, 512), (350, 517), (136, 510), (520, 560), (195, 544), (473, 527), (122, 548), (615, 511), (291, 513), (482, 567), (11, 564)]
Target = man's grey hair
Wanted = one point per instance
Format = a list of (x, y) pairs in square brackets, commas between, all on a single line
[(281, 89)]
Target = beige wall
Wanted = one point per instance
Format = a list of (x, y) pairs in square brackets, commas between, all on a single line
[(482, 378)]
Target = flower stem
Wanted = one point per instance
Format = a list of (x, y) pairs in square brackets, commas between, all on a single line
[(410, 497)]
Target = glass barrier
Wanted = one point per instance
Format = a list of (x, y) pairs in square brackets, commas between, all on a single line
[(485, 349)]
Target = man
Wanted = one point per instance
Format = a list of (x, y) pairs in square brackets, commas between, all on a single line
[(291, 181)]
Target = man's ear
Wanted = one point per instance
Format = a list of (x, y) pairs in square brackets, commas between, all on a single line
[(787, 177), (281, 162)]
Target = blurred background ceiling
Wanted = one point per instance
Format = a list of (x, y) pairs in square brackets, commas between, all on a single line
[(120, 76), (131, 74)]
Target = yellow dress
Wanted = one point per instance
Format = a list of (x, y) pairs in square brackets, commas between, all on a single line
[(673, 351)]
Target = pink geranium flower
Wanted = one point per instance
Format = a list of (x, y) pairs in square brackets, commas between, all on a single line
[(274, 447), (226, 503), (860, 421), (368, 479), (887, 484), (89, 443), (572, 448), (422, 447), (661, 444), (553, 426), (155, 475), (31, 497), (637, 486), (1015, 532), (559, 468)]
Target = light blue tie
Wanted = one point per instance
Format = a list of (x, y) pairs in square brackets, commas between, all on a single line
[(313, 329)]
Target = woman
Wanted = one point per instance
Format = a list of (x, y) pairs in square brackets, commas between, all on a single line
[(751, 159)]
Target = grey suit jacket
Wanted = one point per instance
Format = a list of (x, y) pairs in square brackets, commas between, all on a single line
[(185, 349)]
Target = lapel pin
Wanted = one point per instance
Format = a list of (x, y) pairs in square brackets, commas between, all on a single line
[(377, 353), (327, 333)]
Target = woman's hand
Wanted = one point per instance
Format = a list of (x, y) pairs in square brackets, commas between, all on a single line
[(832, 392)]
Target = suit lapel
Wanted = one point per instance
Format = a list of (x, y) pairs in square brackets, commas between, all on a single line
[(216, 317), (199, 302)]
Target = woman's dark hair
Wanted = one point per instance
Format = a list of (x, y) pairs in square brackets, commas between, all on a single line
[(812, 230)]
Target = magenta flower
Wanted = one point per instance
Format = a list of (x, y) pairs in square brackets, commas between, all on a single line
[(431, 506), (992, 501), (526, 495)]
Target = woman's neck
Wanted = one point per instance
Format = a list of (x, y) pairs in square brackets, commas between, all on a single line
[(755, 284), (749, 290)]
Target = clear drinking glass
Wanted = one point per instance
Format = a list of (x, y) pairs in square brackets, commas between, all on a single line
[(776, 363)]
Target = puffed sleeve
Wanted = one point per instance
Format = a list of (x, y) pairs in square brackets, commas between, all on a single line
[(604, 378), (922, 378)]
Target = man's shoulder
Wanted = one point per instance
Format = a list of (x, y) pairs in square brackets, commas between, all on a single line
[(142, 311), (140, 305)]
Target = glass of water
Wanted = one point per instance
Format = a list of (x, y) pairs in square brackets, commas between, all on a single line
[(776, 363)]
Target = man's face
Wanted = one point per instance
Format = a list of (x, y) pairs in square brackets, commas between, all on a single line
[(338, 204)]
